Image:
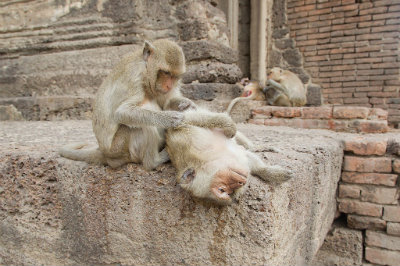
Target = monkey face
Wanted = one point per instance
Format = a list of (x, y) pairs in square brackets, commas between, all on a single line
[(222, 187), (275, 73), (166, 81)]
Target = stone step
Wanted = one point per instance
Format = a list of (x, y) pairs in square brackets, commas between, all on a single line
[(57, 211), (336, 118)]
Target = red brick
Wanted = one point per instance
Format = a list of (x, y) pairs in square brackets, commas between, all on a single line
[(324, 112), (365, 222), (362, 208), (382, 240), (377, 113), (370, 178), (256, 121), (367, 165), (338, 125), (264, 110), (393, 229), (275, 122), (396, 166), (289, 112), (382, 256), (370, 126), (349, 191), (364, 146), (391, 213), (386, 16), (381, 195), (346, 112)]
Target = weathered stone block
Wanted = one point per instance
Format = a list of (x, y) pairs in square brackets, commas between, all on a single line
[(9, 112), (56, 211), (206, 50), (349, 191), (342, 246), (212, 73)]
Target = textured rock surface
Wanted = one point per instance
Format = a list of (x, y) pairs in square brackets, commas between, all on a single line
[(57, 211)]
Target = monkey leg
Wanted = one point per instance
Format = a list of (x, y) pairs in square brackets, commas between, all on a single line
[(268, 173), (242, 140), (144, 147)]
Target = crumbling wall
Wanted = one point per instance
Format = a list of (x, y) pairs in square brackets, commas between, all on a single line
[(55, 54)]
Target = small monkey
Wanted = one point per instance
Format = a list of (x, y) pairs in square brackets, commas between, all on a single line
[(212, 161), (251, 91), (128, 117), (284, 88)]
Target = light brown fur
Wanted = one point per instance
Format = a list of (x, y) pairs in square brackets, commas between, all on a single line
[(128, 120), (287, 90), (212, 161), (251, 91)]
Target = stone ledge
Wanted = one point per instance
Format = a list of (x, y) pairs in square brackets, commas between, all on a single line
[(57, 211)]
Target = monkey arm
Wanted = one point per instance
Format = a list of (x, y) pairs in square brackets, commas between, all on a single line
[(205, 119), (179, 103), (278, 86), (134, 116)]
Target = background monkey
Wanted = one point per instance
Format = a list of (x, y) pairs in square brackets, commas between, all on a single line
[(212, 165), (128, 120), (251, 91), (284, 88)]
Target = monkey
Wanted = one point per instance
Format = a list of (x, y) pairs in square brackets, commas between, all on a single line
[(284, 88), (129, 119), (252, 90), (212, 159)]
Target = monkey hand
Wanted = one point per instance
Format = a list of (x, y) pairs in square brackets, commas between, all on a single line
[(186, 104), (173, 119), (226, 124), (275, 174)]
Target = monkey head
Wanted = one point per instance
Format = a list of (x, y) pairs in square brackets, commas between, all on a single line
[(222, 186), (165, 64), (275, 74)]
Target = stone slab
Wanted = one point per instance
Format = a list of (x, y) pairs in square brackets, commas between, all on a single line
[(57, 211)]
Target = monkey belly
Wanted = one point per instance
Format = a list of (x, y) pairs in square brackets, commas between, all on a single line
[(146, 140)]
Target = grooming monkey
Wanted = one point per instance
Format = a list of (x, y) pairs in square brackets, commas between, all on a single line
[(284, 88), (128, 120), (251, 91), (213, 162)]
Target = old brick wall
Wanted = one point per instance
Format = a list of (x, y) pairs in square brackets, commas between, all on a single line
[(350, 48), (369, 196)]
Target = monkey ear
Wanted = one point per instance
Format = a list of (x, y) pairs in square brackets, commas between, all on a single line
[(147, 50), (188, 176)]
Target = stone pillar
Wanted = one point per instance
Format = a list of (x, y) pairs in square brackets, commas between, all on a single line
[(258, 47), (231, 10)]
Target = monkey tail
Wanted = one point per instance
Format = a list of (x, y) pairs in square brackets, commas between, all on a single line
[(78, 153), (233, 102)]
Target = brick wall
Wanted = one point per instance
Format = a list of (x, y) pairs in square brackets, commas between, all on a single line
[(369, 196), (351, 49)]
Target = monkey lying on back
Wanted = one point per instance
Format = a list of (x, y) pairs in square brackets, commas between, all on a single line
[(211, 158)]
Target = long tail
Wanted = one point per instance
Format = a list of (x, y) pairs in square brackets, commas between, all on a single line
[(77, 153), (233, 102)]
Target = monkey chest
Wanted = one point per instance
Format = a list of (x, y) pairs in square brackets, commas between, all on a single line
[(149, 104)]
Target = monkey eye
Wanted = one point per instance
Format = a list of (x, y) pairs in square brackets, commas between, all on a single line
[(166, 73), (221, 189)]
